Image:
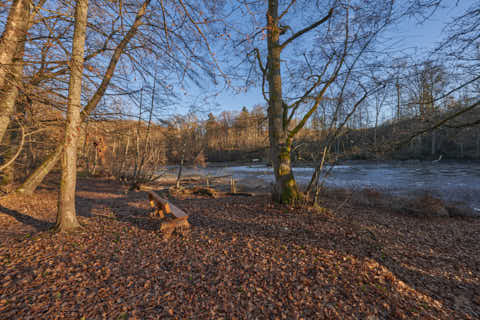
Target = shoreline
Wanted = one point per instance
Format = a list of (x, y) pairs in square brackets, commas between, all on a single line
[(403, 187)]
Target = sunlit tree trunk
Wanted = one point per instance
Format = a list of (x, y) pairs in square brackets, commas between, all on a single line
[(285, 189), (66, 216), (11, 43), (8, 98)]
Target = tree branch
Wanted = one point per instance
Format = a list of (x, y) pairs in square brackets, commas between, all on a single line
[(20, 147), (307, 29), (441, 122), (114, 60), (286, 10), (259, 59)]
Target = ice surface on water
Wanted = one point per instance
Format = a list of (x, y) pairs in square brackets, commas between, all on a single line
[(449, 180)]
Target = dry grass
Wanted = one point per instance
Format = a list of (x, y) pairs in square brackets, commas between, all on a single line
[(423, 205)]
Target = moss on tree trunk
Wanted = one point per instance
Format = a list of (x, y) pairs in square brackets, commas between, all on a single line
[(285, 189)]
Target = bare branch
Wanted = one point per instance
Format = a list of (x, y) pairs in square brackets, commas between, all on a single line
[(19, 150), (307, 29), (286, 10), (440, 123)]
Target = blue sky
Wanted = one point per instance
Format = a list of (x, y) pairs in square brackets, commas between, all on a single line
[(409, 36)]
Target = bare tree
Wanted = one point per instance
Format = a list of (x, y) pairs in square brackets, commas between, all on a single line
[(303, 61), (66, 216), (39, 174)]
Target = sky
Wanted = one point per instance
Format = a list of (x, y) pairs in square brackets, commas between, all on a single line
[(409, 36)]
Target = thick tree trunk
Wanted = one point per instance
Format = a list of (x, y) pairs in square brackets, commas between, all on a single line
[(11, 43), (8, 98), (15, 28), (34, 180), (66, 216), (9, 93), (285, 189)]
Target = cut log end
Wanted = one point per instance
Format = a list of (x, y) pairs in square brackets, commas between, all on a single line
[(160, 206), (179, 225)]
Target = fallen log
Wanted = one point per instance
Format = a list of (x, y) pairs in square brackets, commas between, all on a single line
[(179, 223), (205, 191), (211, 178), (242, 194)]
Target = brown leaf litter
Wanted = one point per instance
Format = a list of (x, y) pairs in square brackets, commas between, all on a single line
[(244, 258)]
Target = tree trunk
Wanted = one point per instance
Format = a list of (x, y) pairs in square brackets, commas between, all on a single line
[(397, 85), (285, 189), (34, 180), (145, 151), (8, 174), (14, 32), (477, 152), (66, 216), (12, 43), (182, 160), (8, 99), (9, 94), (375, 132), (434, 145)]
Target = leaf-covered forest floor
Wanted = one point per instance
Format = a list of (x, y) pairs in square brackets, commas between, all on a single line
[(244, 258)]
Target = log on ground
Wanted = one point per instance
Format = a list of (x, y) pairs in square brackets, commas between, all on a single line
[(162, 206)]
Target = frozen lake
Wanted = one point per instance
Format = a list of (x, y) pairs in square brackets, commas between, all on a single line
[(451, 181)]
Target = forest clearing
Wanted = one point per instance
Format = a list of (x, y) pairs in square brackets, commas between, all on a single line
[(107, 105), (244, 258)]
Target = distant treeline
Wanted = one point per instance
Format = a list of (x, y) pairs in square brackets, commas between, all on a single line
[(243, 136), (134, 147)]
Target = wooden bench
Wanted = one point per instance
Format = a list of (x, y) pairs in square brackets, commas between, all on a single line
[(162, 207)]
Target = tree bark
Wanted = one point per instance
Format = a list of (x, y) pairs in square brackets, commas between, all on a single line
[(11, 43), (9, 93), (182, 160), (17, 22), (34, 180), (8, 174), (8, 98), (66, 216), (397, 85), (285, 188), (434, 145), (477, 152)]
